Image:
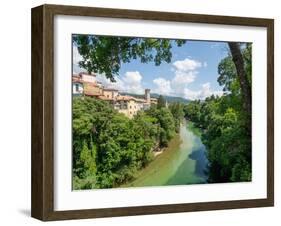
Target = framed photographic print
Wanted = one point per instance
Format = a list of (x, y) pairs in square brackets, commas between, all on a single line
[(141, 112)]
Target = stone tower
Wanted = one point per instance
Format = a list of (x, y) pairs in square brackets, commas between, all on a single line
[(147, 95)]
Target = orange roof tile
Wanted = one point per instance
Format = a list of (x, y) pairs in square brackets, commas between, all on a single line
[(91, 89), (110, 89), (76, 79), (126, 98), (140, 100), (104, 97)]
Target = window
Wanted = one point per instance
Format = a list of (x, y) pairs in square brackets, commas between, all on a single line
[(77, 87)]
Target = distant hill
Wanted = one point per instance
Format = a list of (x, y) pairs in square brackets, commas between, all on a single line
[(170, 99)]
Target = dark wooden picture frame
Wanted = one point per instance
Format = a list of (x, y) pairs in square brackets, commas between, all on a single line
[(42, 203)]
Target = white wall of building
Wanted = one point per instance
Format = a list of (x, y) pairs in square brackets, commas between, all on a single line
[(88, 78), (77, 88)]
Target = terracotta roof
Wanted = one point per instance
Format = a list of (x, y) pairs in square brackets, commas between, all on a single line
[(79, 79), (85, 73), (93, 84), (109, 89), (91, 93), (91, 89), (140, 100), (104, 97), (126, 98), (76, 78)]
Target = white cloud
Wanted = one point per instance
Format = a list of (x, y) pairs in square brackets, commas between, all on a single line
[(204, 92), (133, 77), (130, 82), (119, 84), (163, 86), (75, 61), (185, 72), (76, 55), (187, 65), (183, 78)]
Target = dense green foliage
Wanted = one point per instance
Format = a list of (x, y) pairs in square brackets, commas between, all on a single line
[(109, 148), (178, 114), (104, 54), (225, 125), (161, 102)]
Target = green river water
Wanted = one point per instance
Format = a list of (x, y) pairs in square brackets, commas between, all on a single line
[(182, 162)]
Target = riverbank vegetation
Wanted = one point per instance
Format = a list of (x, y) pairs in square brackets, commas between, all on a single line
[(225, 123), (109, 148)]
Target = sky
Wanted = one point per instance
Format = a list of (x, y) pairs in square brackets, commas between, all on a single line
[(191, 74)]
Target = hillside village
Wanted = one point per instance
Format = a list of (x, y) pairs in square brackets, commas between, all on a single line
[(87, 85)]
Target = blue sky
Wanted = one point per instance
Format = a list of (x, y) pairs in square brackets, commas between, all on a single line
[(191, 74)]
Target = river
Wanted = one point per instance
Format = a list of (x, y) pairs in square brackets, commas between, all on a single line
[(182, 162)]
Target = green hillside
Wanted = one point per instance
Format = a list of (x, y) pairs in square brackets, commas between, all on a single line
[(170, 99)]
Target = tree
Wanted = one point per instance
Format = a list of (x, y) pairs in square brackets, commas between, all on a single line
[(178, 114), (192, 112), (104, 54), (167, 126), (241, 74), (161, 102)]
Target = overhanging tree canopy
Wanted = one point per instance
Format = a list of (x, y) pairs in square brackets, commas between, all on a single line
[(104, 54)]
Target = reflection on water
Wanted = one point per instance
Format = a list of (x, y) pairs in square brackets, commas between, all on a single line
[(183, 162)]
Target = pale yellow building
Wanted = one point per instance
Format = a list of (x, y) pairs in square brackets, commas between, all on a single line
[(110, 93), (126, 105), (153, 100)]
